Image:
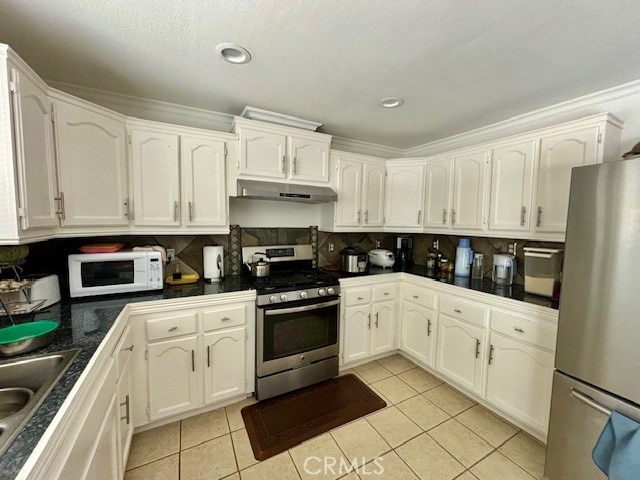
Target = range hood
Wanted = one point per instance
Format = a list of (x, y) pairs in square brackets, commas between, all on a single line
[(285, 191)]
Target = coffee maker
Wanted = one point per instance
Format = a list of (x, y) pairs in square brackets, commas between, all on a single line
[(404, 253)]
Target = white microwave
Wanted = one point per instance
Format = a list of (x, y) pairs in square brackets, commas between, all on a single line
[(118, 272)]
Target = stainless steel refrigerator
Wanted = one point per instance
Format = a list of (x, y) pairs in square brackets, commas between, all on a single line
[(598, 348)]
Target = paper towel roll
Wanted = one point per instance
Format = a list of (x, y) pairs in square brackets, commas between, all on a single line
[(213, 256)]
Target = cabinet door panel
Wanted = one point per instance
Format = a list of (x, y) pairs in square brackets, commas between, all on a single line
[(125, 417), (511, 185), (357, 333), (173, 377), (92, 166), (519, 380), (156, 178), (404, 196), (34, 152), (558, 155), (309, 160), (348, 207), (374, 195), (204, 198), (438, 188), (262, 153), (383, 326), (224, 353), (105, 461), (468, 191), (418, 329), (460, 352)]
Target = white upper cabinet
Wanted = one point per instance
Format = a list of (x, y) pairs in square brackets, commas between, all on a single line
[(155, 177), (269, 151), (33, 135), (467, 208), (203, 179), (558, 155), (92, 164), (349, 205), (373, 195), (511, 186), (437, 211), (404, 199)]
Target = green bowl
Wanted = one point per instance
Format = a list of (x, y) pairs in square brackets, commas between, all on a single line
[(26, 337)]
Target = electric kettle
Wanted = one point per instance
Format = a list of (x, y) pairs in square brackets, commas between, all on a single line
[(504, 269)]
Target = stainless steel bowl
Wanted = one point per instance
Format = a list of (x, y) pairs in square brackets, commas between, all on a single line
[(27, 345)]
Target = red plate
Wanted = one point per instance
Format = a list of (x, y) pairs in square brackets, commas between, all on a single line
[(101, 248)]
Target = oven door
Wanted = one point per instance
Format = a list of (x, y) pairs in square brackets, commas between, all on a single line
[(294, 336)]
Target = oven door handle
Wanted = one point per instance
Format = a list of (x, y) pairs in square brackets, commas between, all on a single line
[(304, 308)]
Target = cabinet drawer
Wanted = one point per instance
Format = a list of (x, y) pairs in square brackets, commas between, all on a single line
[(421, 296), (123, 350), (523, 329), (462, 310), (357, 297), (384, 292), (223, 317), (170, 326)]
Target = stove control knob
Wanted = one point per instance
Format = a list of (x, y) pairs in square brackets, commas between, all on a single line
[(283, 297), (303, 294), (330, 291), (322, 292), (272, 299)]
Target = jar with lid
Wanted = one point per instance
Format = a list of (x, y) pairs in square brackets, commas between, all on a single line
[(477, 269)]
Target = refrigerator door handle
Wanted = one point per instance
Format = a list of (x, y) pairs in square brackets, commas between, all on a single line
[(590, 401)]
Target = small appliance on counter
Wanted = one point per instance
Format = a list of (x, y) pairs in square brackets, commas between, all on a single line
[(542, 271), (259, 267), (464, 258), (504, 269), (404, 253), (380, 257), (213, 258), (353, 260)]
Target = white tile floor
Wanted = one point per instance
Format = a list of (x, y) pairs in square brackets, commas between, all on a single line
[(428, 430)]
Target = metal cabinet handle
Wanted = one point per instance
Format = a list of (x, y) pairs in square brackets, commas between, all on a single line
[(208, 356), (173, 329), (128, 348), (491, 354), (386, 293), (193, 360), (293, 165), (125, 404), (126, 207), (457, 310), (176, 206), (419, 216), (377, 318), (359, 211), (60, 200), (539, 221), (191, 211), (282, 164), (369, 322), (477, 348), (415, 296), (590, 401), (453, 216), (428, 327), (518, 329), (523, 214), (366, 216), (360, 298), (225, 319), (444, 216)]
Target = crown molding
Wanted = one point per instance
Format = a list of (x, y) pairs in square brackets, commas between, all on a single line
[(365, 148), (569, 110)]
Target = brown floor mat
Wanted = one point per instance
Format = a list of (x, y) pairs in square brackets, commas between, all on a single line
[(277, 424)]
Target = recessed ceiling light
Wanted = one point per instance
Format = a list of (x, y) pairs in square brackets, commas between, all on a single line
[(233, 53), (391, 102)]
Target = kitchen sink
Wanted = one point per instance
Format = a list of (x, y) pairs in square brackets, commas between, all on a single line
[(24, 384)]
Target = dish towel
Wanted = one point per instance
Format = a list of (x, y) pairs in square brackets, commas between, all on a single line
[(617, 451)]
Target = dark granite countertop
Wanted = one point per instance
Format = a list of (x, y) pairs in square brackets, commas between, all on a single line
[(514, 292), (83, 324)]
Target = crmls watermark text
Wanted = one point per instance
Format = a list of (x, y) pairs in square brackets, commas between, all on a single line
[(334, 466)]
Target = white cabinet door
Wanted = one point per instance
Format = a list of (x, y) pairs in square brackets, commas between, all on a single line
[(558, 155), (348, 206), (373, 195), (437, 212), (262, 153), (155, 167), (418, 329), (459, 352), (309, 159), (204, 198), (468, 191), (383, 322), (357, 333), (125, 420), (92, 166), (105, 462), (173, 377), (404, 196), (224, 353), (511, 186), (519, 380), (34, 152)]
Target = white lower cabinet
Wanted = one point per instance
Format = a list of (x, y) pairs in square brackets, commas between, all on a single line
[(460, 352), (519, 379), (384, 317), (357, 333), (225, 364), (418, 332)]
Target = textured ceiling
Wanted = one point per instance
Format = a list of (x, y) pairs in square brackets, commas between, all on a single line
[(459, 64)]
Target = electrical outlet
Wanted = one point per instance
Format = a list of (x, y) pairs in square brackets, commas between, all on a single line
[(332, 247), (171, 254)]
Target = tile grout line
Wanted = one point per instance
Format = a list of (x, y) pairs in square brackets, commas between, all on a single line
[(294, 463)]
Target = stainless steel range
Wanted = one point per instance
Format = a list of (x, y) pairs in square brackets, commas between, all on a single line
[(298, 311)]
